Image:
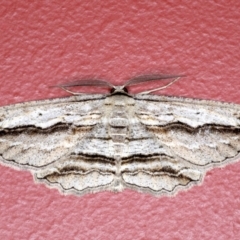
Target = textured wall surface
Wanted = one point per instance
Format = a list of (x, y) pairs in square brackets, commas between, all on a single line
[(43, 43)]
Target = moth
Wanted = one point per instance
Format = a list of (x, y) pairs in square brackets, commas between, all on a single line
[(88, 143)]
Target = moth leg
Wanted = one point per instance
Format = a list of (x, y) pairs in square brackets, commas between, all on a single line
[(160, 88)]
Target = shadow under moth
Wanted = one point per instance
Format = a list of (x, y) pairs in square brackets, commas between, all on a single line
[(87, 143)]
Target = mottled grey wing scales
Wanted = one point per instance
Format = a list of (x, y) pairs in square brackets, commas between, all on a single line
[(195, 135), (41, 136), (89, 166), (89, 143)]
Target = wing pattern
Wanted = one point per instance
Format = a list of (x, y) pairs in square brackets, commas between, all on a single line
[(196, 136), (89, 143)]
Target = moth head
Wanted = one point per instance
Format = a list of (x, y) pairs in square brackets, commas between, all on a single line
[(119, 89)]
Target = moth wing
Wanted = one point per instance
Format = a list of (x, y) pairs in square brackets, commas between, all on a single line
[(195, 135), (36, 135)]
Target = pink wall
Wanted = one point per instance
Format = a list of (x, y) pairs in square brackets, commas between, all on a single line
[(49, 42)]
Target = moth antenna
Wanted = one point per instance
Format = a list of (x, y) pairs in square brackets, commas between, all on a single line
[(147, 78), (85, 82), (69, 91), (160, 88)]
